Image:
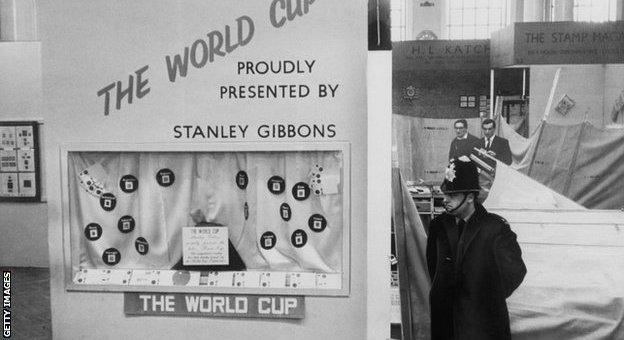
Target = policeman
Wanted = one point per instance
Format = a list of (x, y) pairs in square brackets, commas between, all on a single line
[(474, 261)]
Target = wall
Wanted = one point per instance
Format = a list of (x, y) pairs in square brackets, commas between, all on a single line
[(23, 226), (18, 20), (107, 41), (594, 88), (439, 92)]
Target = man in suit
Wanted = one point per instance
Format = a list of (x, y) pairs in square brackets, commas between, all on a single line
[(495, 146), (474, 261), (463, 143)]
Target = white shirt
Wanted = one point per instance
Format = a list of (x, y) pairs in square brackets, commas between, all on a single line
[(488, 142)]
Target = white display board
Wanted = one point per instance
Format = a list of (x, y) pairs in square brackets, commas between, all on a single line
[(19, 161), (168, 76)]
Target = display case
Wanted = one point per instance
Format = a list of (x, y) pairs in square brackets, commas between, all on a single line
[(19, 162), (207, 218)]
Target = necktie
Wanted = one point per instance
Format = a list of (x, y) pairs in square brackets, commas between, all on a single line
[(460, 227), (488, 143)]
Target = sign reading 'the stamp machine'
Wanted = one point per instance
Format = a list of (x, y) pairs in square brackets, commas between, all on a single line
[(213, 305), (566, 42)]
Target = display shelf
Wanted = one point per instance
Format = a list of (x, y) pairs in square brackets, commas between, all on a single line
[(242, 279), (428, 201)]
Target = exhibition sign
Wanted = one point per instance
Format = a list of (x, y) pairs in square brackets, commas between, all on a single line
[(441, 78), (213, 305), (539, 43), (212, 151), (441, 55)]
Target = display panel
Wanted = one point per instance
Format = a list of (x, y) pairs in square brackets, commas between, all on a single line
[(208, 219), (19, 162)]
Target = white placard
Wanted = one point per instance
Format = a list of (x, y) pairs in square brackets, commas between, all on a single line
[(24, 137), (7, 137), (9, 184), (205, 246), (8, 160)]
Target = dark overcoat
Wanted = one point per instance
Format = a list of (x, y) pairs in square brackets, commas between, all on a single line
[(468, 290)]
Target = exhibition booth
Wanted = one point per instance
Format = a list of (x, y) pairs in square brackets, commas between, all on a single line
[(238, 170), (205, 165), (568, 161)]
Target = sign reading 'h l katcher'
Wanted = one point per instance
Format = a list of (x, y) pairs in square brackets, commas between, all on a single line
[(215, 305)]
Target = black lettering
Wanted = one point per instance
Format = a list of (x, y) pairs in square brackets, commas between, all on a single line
[(263, 131), (292, 13), (244, 41), (140, 91), (273, 13), (232, 92), (188, 130), (106, 92), (210, 131), (228, 46), (331, 129), (179, 65), (306, 131), (216, 42), (204, 53), (123, 93), (318, 131), (198, 132)]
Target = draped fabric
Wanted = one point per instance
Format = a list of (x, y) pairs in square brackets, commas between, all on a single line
[(573, 255), (520, 146), (514, 190), (420, 146), (581, 161), (571, 291), (206, 183), (587, 167), (417, 273)]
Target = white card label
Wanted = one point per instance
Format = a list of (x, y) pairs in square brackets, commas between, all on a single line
[(205, 246)]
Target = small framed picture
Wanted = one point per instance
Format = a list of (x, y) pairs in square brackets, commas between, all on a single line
[(565, 105), (463, 101)]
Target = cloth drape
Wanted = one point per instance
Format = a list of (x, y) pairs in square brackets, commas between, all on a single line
[(207, 182)]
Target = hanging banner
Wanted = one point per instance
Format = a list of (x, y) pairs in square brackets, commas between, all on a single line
[(565, 42)]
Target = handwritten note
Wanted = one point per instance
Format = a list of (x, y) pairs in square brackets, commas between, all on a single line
[(205, 246)]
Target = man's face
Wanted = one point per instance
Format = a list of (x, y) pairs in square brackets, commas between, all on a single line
[(455, 204), (488, 129), (460, 129)]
